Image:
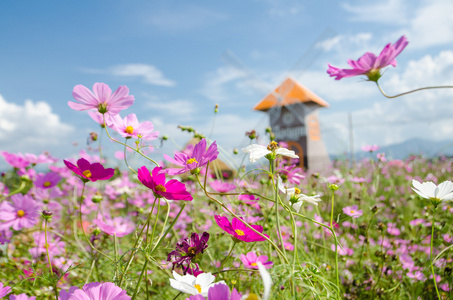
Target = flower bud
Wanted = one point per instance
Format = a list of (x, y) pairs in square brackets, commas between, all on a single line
[(46, 215), (97, 197)]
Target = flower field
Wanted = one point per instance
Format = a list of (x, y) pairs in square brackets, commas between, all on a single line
[(190, 227)]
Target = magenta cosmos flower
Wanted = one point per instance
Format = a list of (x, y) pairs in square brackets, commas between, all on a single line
[(88, 171), (48, 180), (222, 187), (95, 291), (369, 64), (193, 161), (238, 229), (189, 250), (101, 99), (171, 190), (129, 127), (250, 260), (22, 213)]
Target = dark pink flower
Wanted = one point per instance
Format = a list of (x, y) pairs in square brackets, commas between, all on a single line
[(369, 64), (250, 260), (171, 190), (22, 213), (193, 161), (95, 291), (238, 229), (101, 99), (88, 171), (292, 174), (48, 180), (189, 250)]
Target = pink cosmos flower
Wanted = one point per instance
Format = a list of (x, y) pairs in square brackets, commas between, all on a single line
[(118, 226), (353, 211), (48, 180), (218, 291), (194, 161), (222, 187), (95, 291), (292, 174), (22, 213), (417, 275), (5, 235), (102, 99), (238, 229), (369, 64), (370, 148), (21, 297), (250, 260), (88, 171), (4, 290), (130, 127), (56, 246), (171, 190), (16, 160)]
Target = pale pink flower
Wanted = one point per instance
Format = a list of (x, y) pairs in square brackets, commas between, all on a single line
[(101, 99)]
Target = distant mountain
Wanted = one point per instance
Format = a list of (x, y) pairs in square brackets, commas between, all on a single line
[(402, 150)]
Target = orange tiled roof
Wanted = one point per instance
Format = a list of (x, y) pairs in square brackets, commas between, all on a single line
[(290, 92)]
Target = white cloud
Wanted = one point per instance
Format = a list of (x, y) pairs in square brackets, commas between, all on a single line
[(180, 109), (426, 23), (31, 127), (214, 87), (148, 73), (388, 12), (432, 24)]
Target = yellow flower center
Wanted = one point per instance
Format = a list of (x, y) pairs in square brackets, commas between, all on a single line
[(192, 251), (352, 211), (160, 188), (239, 232), (272, 146), (296, 191), (47, 184), (253, 264), (251, 297), (87, 173), (129, 129), (20, 213), (191, 161), (198, 287)]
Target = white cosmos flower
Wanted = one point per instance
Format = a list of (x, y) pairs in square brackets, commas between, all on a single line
[(193, 285), (433, 192), (294, 194), (258, 151)]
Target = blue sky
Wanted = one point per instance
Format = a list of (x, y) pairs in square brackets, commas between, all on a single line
[(169, 54)]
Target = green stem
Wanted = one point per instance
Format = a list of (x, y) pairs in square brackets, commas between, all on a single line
[(139, 279), (51, 274), (228, 256), (279, 232), (431, 254), (83, 229), (413, 91), (116, 141), (125, 158), (331, 213)]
